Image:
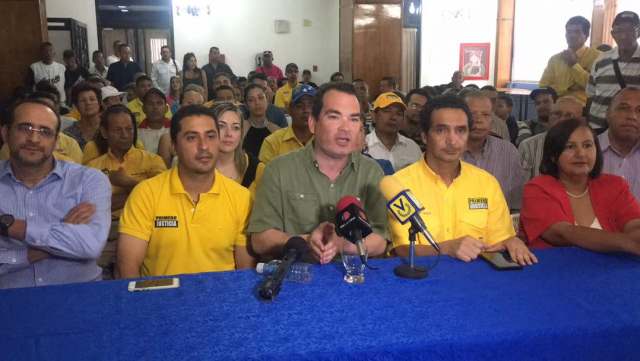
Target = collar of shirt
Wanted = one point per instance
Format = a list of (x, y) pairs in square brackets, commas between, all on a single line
[(605, 144), (483, 151), (166, 123), (401, 140), (175, 184), (616, 55), (354, 161), (435, 177), (289, 134), (126, 155), (6, 170)]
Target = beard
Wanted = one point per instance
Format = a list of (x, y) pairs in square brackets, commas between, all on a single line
[(34, 162)]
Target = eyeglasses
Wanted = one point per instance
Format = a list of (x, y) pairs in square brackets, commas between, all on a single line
[(28, 129)]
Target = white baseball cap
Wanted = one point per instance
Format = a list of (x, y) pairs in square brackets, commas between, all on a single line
[(109, 91)]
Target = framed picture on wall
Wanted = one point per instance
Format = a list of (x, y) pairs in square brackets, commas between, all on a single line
[(474, 61)]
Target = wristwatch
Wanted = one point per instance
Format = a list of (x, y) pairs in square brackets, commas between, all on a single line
[(6, 221)]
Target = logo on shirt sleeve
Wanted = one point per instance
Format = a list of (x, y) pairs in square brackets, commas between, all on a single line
[(166, 222), (478, 203)]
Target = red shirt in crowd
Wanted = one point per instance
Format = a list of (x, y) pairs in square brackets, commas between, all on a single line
[(545, 203), (273, 71)]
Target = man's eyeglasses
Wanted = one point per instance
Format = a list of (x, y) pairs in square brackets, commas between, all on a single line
[(28, 129)]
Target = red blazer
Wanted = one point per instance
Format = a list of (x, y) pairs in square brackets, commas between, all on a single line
[(545, 203)]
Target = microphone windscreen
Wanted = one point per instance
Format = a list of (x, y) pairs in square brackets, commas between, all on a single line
[(298, 244), (390, 187), (345, 201)]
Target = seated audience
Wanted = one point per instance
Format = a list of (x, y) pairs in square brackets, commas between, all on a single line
[(124, 70), (283, 95), (74, 73), (362, 92), (531, 148), (175, 91), (497, 156), (306, 78), (337, 77), (259, 127), (518, 130), (111, 96), (299, 190), (416, 100), (466, 210), (621, 142), (143, 84), (191, 74), (498, 126), (156, 124), (268, 68), (54, 214), (274, 114), (86, 99), (167, 226), (224, 93), (572, 203), (99, 67), (568, 71), (543, 98), (388, 84), (216, 65), (386, 142), (124, 164), (298, 134)]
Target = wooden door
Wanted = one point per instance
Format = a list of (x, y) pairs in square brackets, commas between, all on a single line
[(377, 45)]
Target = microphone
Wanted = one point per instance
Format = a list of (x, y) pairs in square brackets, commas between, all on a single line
[(405, 207), (294, 249), (352, 224)]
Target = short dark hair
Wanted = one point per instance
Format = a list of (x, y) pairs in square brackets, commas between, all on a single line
[(84, 87), (165, 46), (489, 87), (69, 53), (45, 86), (507, 99), (45, 44), (336, 74), (419, 91), (318, 100), (581, 21), (12, 113), (555, 143), (289, 66), (443, 102), (151, 92), (122, 45), (102, 143), (142, 78), (261, 76), (391, 80), (189, 111), (224, 74), (252, 86), (214, 47), (306, 71), (222, 87), (95, 54)]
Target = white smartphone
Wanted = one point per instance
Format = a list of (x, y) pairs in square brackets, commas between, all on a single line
[(158, 284)]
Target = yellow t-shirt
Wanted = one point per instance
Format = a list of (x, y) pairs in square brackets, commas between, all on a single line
[(184, 237), (472, 205), (566, 80), (283, 96), (67, 149), (280, 142), (91, 151), (138, 164), (136, 108)]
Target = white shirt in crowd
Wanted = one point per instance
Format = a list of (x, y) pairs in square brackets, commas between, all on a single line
[(112, 59), (101, 74), (53, 72), (403, 153), (151, 137), (161, 74)]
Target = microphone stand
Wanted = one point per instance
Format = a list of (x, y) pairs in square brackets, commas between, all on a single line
[(411, 270)]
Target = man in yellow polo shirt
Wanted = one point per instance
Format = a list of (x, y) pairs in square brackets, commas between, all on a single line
[(568, 71), (124, 164), (296, 135), (283, 95), (465, 209), (143, 84), (191, 218)]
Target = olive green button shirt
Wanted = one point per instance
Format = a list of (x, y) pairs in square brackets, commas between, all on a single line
[(294, 196)]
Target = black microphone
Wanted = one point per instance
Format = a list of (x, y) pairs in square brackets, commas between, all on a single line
[(352, 224), (294, 249)]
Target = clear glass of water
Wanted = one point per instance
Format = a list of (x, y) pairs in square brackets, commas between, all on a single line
[(354, 268)]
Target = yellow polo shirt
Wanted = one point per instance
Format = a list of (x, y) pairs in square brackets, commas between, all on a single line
[(283, 96), (280, 142), (472, 205), (67, 149), (185, 237), (136, 108), (91, 151), (566, 80)]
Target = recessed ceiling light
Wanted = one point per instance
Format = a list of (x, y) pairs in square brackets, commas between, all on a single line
[(124, 10), (122, 6)]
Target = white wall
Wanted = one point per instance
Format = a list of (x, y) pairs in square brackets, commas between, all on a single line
[(81, 10), (535, 42), (244, 28), (446, 24)]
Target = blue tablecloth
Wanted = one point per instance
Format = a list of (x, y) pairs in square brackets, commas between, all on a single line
[(574, 305)]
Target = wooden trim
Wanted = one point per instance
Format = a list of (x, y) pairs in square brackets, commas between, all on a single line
[(504, 42)]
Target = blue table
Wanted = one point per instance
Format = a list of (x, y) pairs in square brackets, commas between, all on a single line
[(574, 305)]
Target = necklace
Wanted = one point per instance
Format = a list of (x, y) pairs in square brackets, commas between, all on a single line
[(578, 195)]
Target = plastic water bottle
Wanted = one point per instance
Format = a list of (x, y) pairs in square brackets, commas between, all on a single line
[(299, 272)]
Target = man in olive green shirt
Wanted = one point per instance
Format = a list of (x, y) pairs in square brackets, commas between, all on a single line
[(299, 191)]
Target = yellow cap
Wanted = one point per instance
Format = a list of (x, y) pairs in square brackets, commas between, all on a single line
[(386, 99)]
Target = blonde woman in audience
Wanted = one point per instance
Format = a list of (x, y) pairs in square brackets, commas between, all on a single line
[(572, 203), (191, 74), (233, 161), (175, 91)]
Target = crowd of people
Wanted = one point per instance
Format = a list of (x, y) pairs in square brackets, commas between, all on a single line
[(196, 169)]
